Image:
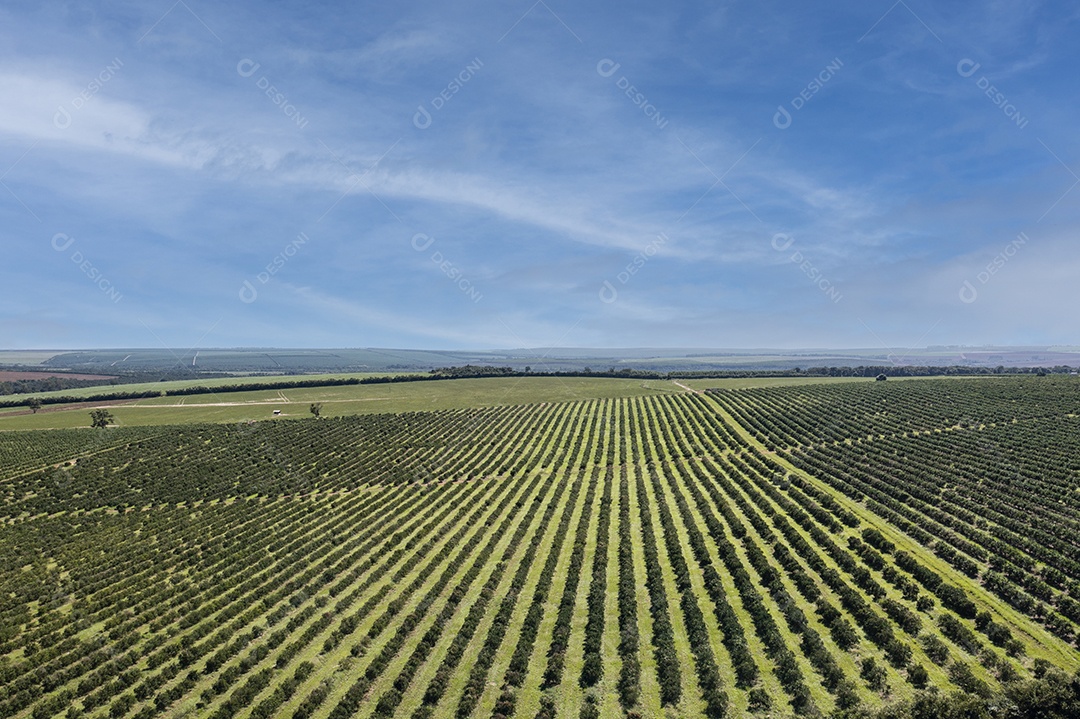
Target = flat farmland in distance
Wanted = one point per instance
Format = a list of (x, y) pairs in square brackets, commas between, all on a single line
[(15, 375), (336, 400), (26, 357), (205, 382), (744, 552)]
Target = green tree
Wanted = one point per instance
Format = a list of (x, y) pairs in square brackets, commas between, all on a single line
[(34, 404), (874, 675), (101, 418), (316, 409), (918, 676)]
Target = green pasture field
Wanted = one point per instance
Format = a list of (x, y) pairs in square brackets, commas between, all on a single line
[(336, 400), (26, 357), (208, 382)]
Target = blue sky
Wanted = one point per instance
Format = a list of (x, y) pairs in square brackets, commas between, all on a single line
[(521, 174)]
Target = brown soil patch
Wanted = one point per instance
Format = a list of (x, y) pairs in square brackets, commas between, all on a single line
[(12, 376)]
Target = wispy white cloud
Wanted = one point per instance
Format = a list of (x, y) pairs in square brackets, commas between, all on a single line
[(409, 326)]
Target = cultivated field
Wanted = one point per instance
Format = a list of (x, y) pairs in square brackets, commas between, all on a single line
[(12, 376), (768, 551), (383, 398)]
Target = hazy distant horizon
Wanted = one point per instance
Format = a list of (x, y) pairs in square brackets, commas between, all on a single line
[(297, 360), (564, 348)]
